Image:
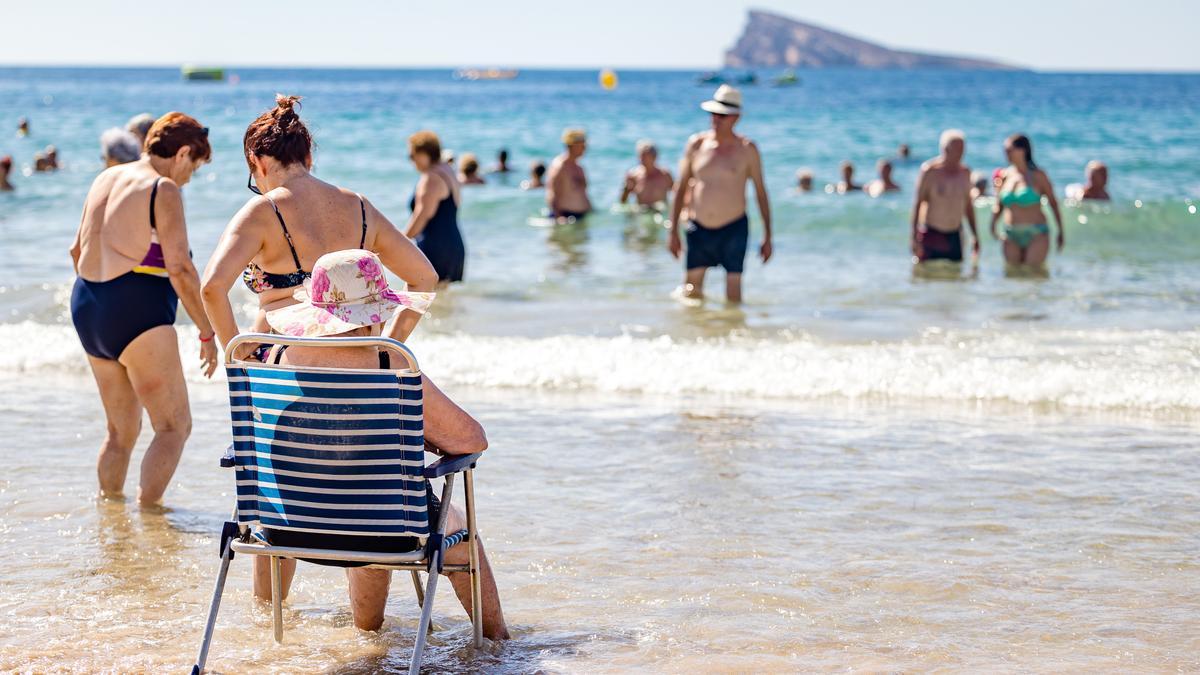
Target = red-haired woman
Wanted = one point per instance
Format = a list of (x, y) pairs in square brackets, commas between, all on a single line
[(133, 267), (295, 218)]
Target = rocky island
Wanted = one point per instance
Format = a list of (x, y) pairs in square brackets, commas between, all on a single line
[(774, 41)]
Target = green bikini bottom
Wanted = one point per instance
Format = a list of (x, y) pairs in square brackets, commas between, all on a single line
[(1023, 235)]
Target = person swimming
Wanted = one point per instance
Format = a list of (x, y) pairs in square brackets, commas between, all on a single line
[(537, 173), (847, 184), (1096, 187), (46, 160), (501, 162), (648, 183), (804, 180), (23, 127), (883, 184), (6, 163), (468, 172), (1022, 186)]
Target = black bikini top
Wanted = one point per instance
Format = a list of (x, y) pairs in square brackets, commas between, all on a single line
[(258, 280), (385, 359)]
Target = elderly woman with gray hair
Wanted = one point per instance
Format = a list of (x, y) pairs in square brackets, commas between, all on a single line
[(118, 146)]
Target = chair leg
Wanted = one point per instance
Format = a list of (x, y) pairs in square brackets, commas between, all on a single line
[(473, 549), (277, 597), (416, 577), (213, 608), (414, 666)]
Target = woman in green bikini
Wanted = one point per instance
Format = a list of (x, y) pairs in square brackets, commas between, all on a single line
[(1020, 190)]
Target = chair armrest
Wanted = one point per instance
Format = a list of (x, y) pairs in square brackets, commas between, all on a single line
[(228, 460), (451, 464)]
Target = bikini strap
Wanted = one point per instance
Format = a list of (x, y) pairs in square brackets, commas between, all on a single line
[(153, 196), (280, 349), (286, 235), (362, 242)]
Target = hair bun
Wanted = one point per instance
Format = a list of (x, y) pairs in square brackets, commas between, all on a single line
[(286, 104)]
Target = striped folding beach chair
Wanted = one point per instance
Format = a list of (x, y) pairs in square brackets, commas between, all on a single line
[(329, 451)]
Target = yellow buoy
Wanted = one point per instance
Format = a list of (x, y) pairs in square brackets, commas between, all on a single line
[(608, 79)]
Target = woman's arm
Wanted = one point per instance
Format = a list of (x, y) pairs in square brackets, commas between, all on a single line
[(1048, 190), (997, 205), (240, 242), (425, 204), (399, 254), (448, 428), (172, 236)]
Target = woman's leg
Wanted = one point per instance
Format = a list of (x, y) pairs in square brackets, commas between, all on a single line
[(152, 361), (1013, 254), (262, 576), (368, 595), (1037, 251), (123, 412), (494, 627)]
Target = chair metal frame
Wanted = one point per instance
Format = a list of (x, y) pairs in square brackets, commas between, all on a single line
[(430, 558)]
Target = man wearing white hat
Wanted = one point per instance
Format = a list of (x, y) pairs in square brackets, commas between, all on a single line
[(715, 168)]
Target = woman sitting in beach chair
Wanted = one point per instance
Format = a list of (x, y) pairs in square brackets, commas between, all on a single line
[(349, 296)]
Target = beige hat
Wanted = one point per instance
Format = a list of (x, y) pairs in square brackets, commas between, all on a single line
[(726, 101), (573, 136)]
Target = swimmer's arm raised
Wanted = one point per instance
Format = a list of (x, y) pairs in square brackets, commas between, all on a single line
[(239, 243), (424, 206)]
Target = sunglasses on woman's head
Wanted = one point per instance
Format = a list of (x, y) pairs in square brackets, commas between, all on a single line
[(251, 186)]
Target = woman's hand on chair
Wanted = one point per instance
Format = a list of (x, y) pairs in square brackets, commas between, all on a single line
[(208, 356)]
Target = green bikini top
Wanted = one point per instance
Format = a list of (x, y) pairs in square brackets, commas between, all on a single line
[(1022, 196)]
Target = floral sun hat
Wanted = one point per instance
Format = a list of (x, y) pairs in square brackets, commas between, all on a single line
[(347, 290)]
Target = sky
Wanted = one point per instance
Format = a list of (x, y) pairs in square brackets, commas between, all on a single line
[(1040, 34)]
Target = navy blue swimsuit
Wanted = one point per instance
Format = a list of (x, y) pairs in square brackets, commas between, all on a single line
[(441, 241), (108, 315)]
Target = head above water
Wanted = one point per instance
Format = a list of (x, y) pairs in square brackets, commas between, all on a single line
[(1019, 150), (804, 179), (181, 139), (1096, 173), (469, 164), (847, 169), (6, 163), (278, 138), (647, 152), (139, 125), (576, 142), (537, 170), (903, 151), (502, 157), (118, 146), (424, 149), (953, 144), (884, 167)]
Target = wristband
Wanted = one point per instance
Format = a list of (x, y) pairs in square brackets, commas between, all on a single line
[(209, 338)]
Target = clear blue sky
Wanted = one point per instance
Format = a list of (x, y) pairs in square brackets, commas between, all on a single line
[(1043, 34)]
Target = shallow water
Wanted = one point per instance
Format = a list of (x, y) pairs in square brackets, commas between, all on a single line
[(859, 468)]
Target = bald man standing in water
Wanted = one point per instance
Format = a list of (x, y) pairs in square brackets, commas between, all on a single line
[(715, 168), (943, 199)]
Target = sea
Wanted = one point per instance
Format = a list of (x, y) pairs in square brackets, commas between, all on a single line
[(863, 467)]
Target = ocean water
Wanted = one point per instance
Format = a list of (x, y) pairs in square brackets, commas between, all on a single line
[(858, 468)]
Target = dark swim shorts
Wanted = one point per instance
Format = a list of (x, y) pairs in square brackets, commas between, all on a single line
[(724, 246), (938, 245)]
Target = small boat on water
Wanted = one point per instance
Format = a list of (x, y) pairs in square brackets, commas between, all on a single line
[(474, 74), (788, 79), (746, 78), (198, 73), (710, 77)]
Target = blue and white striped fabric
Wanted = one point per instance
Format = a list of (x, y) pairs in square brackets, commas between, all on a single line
[(329, 452)]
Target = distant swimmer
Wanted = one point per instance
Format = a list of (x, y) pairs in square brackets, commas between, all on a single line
[(139, 125), (6, 163), (46, 160), (118, 146), (804, 180), (943, 198), (1019, 199), (884, 183), (566, 182), (1096, 187), (847, 184), (537, 173), (502, 162), (904, 154), (979, 185), (649, 183), (23, 127), (468, 171), (715, 169)]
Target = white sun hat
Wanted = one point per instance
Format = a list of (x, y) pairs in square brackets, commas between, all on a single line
[(726, 101), (347, 290)]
